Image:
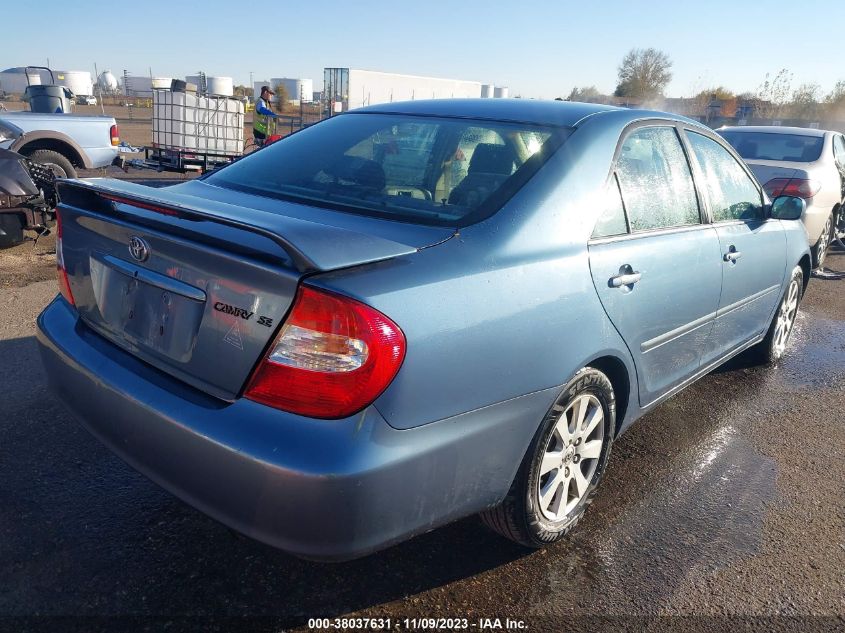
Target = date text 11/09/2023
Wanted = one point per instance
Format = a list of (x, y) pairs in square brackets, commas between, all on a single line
[(417, 624)]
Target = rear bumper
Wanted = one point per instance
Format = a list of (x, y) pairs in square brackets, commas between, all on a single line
[(321, 489)]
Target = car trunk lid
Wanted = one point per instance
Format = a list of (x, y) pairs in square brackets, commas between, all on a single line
[(198, 287)]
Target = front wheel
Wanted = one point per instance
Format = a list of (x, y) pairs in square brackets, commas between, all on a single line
[(563, 466), (773, 347)]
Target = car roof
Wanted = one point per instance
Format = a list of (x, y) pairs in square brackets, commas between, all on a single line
[(557, 113), (774, 129)]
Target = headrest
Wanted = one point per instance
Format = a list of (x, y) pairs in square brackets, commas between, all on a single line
[(489, 158)]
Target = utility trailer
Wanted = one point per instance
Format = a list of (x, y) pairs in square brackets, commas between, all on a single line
[(193, 132)]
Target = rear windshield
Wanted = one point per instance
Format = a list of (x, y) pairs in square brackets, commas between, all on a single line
[(793, 148), (438, 171)]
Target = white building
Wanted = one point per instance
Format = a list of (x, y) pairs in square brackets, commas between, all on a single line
[(347, 88)]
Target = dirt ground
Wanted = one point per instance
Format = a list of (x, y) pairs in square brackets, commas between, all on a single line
[(28, 262)]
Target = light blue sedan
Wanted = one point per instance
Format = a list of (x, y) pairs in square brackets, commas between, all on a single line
[(415, 312)]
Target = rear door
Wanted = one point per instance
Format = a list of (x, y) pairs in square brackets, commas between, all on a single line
[(655, 264), (753, 247)]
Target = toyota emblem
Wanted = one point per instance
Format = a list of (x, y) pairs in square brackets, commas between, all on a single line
[(139, 249)]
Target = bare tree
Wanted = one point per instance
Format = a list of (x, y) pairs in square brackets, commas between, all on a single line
[(805, 103), (644, 74), (834, 103), (282, 97), (773, 94)]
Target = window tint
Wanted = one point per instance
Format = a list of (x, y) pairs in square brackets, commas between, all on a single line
[(439, 171), (655, 180), (612, 220), (791, 148), (732, 193)]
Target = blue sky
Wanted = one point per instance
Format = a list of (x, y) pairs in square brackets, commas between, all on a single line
[(538, 49)]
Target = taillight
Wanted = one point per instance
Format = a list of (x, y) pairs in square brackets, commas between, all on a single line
[(115, 135), (797, 187), (61, 271), (332, 358)]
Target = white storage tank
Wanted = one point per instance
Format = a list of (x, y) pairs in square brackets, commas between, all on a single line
[(79, 82), (107, 81), (501, 92), (297, 89), (14, 80), (222, 86), (486, 91)]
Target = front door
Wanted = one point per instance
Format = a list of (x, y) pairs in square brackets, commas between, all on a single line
[(655, 264)]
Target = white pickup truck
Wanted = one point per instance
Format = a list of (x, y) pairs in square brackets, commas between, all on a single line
[(64, 142)]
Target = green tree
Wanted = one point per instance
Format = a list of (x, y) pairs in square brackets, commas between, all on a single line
[(587, 94), (643, 74)]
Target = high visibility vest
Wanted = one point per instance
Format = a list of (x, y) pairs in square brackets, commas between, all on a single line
[(260, 122)]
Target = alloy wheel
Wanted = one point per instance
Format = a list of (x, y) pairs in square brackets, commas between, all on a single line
[(824, 241), (571, 457), (786, 318)]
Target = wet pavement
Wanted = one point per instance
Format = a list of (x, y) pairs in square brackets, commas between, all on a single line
[(727, 501)]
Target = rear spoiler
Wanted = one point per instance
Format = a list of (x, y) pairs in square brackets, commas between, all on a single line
[(311, 246)]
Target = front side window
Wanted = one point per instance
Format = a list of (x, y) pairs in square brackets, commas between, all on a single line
[(655, 179), (428, 170), (732, 193)]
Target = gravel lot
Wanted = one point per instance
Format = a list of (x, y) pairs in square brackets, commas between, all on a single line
[(722, 509)]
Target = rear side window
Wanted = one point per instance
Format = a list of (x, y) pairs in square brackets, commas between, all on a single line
[(655, 179), (790, 148), (427, 170), (730, 190)]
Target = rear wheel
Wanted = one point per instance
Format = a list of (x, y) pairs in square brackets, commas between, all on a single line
[(58, 164), (839, 229), (821, 247), (563, 466)]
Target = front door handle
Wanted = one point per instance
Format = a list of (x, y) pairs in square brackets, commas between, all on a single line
[(732, 255), (627, 279)]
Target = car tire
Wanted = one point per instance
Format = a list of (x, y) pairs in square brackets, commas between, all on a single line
[(60, 165), (773, 347), (11, 230), (543, 507), (819, 251)]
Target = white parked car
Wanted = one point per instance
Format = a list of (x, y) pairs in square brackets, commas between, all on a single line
[(89, 100), (800, 162)]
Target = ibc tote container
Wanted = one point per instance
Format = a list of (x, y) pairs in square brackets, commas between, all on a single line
[(185, 121)]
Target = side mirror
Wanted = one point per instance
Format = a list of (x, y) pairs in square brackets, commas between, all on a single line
[(788, 208)]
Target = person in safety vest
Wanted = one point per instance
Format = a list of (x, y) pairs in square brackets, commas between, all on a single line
[(261, 117)]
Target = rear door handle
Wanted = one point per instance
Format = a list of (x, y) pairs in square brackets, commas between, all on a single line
[(628, 279), (732, 255)]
